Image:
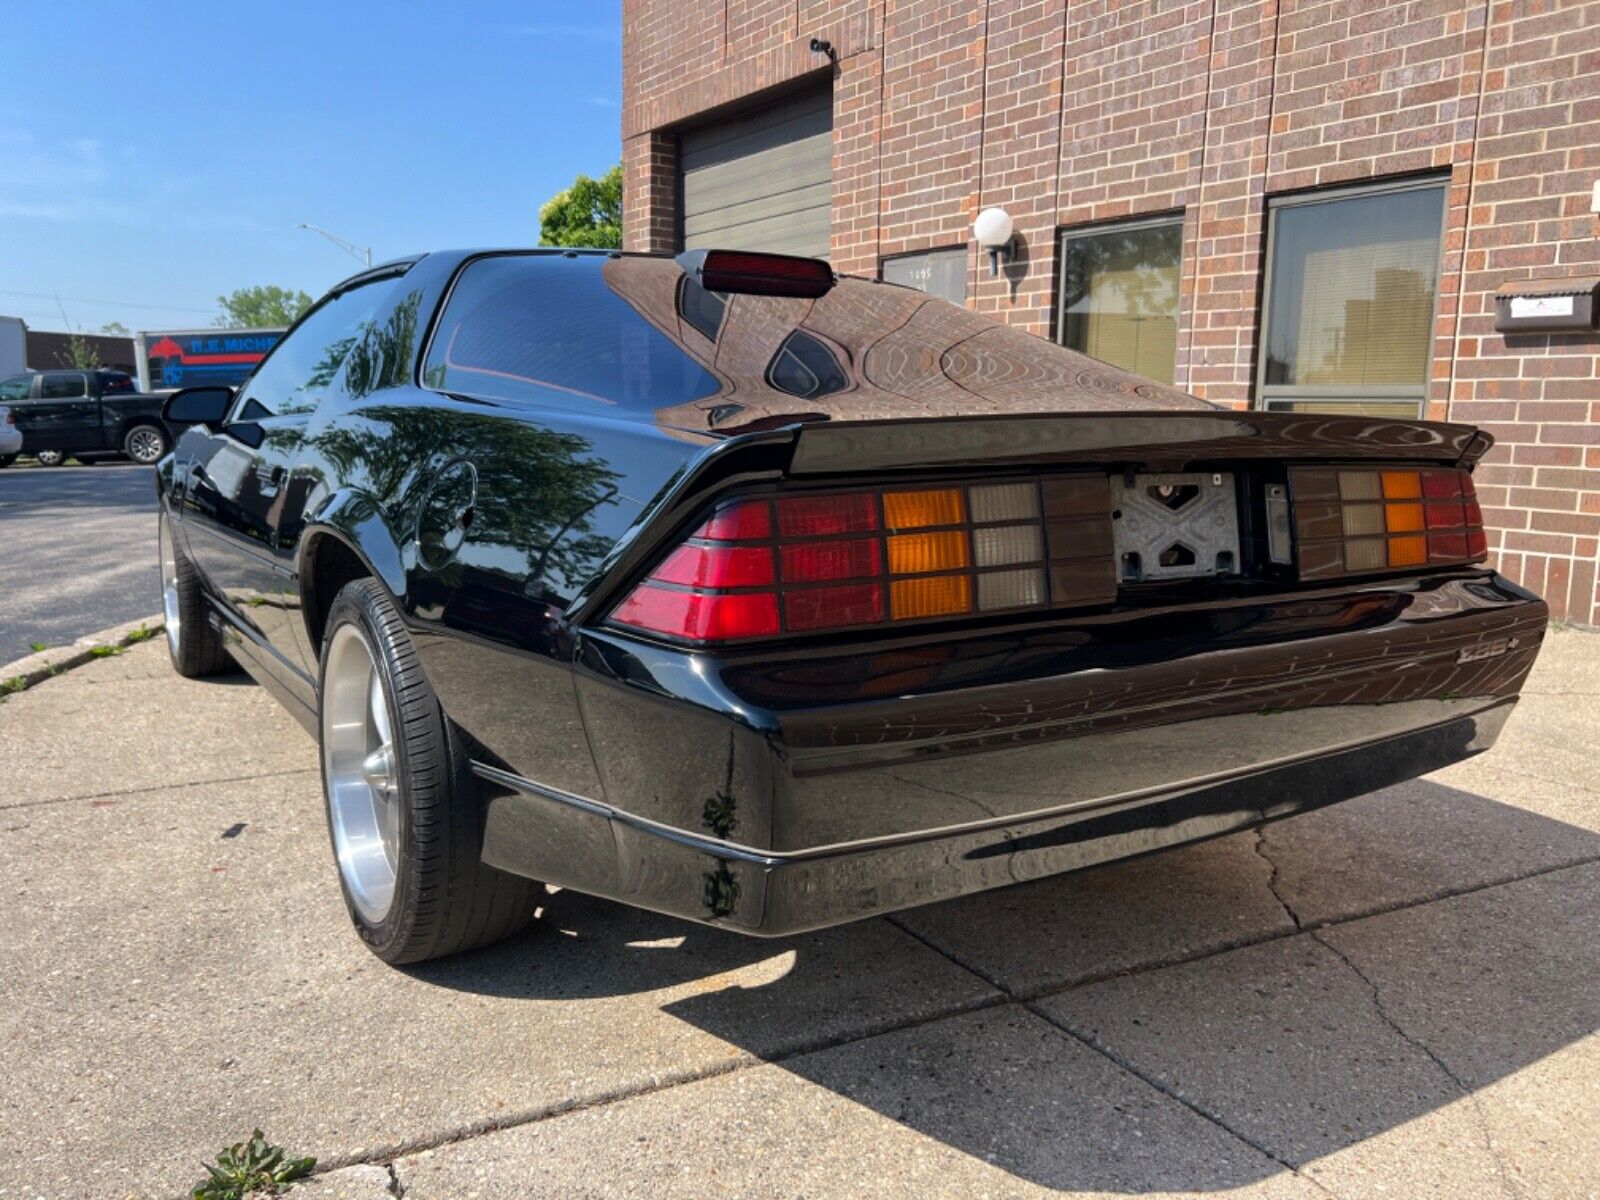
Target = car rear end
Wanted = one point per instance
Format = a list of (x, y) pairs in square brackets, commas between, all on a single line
[(10, 435), (940, 607)]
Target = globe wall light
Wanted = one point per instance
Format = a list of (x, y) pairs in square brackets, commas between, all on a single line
[(993, 229)]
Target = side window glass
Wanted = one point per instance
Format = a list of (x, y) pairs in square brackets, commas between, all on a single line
[(298, 372), (18, 387), (806, 368), (62, 387)]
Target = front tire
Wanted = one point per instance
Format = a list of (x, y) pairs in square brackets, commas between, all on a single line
[(145, 444), (195, 646), (6, 460), (403, 811)]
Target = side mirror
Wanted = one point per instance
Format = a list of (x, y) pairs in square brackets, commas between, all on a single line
[(198, 406)]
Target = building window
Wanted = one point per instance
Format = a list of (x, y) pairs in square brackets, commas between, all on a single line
[(941, 273), (1119, 295), (1352, 285)]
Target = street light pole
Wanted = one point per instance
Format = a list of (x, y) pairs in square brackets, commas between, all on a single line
[(364, 253)]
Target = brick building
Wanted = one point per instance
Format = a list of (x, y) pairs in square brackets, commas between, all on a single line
[(1276, 203)]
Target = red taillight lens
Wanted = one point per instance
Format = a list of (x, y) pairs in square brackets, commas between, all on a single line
[(847, 560), (822, 516), (818, 562), (698, 616), (744, 521), (717, 567), (1354, 521), (833, 607)]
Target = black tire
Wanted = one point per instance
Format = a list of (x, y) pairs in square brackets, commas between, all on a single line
[(145, 443), (445, 899), (6, 460), (193, 643)]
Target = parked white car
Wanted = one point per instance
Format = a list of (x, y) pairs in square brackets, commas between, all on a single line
[(10, 437)]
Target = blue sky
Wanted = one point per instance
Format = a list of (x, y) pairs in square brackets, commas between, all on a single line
[(160, 154)]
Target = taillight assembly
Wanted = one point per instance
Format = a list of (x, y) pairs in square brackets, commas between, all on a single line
[(761, 567), (1359, 521)]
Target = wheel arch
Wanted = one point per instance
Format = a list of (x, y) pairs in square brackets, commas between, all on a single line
[(348, 540)]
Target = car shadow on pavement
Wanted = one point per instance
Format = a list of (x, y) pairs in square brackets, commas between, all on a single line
[(1223, 1063)]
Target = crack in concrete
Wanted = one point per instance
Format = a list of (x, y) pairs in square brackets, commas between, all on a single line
[(1212, 1118), (1002, 997), (396, 1188), (1115, 1059), (1272, 880), (169, 785), (1467, 1092)]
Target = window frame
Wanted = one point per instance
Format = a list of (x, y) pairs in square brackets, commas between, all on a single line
[(1173, 217), (961, 248), (375, 276), (32, 380), (46, 377), (1266, 394)]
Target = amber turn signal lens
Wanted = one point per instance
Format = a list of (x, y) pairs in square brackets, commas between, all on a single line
[(918, 510), (1402, 485), (1403, 518), (930, 596), (918, 553), (1408, 551)]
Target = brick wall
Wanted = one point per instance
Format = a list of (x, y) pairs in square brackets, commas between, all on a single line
[(1537, 157), (1070, 113)]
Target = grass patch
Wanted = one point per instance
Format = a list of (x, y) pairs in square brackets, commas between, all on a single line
[(38, 647), (142, 634), (105, 651), (251, 1167)]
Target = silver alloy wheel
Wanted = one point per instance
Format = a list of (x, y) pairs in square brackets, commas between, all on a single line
[(144, 445), (363, 778), (169, 587), (51, 458)]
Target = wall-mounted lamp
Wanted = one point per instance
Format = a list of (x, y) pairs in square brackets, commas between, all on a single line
[(993, 231), (822, 46)]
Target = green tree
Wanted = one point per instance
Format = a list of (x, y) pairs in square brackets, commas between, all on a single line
[(82, 353), (114, 329), (589, 213), (263, 307)]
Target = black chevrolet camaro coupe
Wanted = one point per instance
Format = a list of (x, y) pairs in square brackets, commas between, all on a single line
[(727, 588)]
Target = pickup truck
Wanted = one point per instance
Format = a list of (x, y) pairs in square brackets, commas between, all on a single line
[(85, 414)]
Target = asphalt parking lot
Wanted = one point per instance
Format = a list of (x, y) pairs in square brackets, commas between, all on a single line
[(77, 552), (1398, 996)]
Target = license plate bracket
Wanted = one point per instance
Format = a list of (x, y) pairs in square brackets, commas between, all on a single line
[(1179, 525)]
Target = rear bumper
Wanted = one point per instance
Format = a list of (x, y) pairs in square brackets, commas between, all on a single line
[(779, 794)]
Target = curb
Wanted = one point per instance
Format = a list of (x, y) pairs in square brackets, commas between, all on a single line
[(35, 668)]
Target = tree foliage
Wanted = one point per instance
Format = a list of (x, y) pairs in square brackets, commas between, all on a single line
[(589, 213), (82, 353), (263, 307)]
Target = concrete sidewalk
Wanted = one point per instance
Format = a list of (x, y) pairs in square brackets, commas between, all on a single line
[(1397, 996)]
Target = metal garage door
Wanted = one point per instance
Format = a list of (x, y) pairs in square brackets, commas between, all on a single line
[(761, 181)]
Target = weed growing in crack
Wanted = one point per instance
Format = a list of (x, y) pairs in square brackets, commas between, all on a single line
[(251, 1167)]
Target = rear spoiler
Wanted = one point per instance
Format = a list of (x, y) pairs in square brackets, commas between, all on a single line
[(1156, 441)]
